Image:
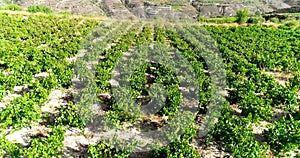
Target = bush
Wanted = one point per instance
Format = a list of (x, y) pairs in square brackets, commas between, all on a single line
[(217, 20), (67, 13), (258, 13), (275, 20), (256, 20), (295, 80), (236, 135), (292, 24), (201, 19), (39, 8), (103, 150), (242, 16), (176, 149), (13, 7), (283, 135)]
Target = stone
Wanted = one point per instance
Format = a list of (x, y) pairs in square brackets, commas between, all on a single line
[(114, 83), (104, 96), (39, 130), (20, 89), (41, 75), (2, 105), (20, 137), (74, 139), (56, 94), (55, 100), (9, 97)]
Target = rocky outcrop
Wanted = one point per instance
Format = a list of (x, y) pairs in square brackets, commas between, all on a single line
[(73, 6), (228, 9), (136, 7), (293, 3), (116, 9), (279, 5), (295, 9)]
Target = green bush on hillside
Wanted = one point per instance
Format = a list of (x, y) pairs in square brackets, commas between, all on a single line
[(256, 20), (293, 23), (217, 20), (242, 16), (66, 13), (39, 8), (13, 7), (275, 20)]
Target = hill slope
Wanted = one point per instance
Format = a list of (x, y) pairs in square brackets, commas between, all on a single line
[(169, 9)]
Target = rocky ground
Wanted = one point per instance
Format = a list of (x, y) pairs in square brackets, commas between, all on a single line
[(168, 9)]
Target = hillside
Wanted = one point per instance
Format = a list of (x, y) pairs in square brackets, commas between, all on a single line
[(292, 2), (149, 9)]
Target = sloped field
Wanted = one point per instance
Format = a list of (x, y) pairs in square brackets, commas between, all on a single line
[(71, 87)]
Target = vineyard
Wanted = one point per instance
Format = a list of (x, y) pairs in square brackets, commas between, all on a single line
[(51, 65)]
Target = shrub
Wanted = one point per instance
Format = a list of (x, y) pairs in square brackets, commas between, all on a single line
[(283, 135), (39, 8), (258, 13), (176, 149), (217, 20), (236, 135), (256, 20), (242, 16), (13, 7), (275, 20), (67, 13), (103, 150), (295, 81), (201, 19), (292, 24)]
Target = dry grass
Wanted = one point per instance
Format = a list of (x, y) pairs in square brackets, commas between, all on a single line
[(25, 13)]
